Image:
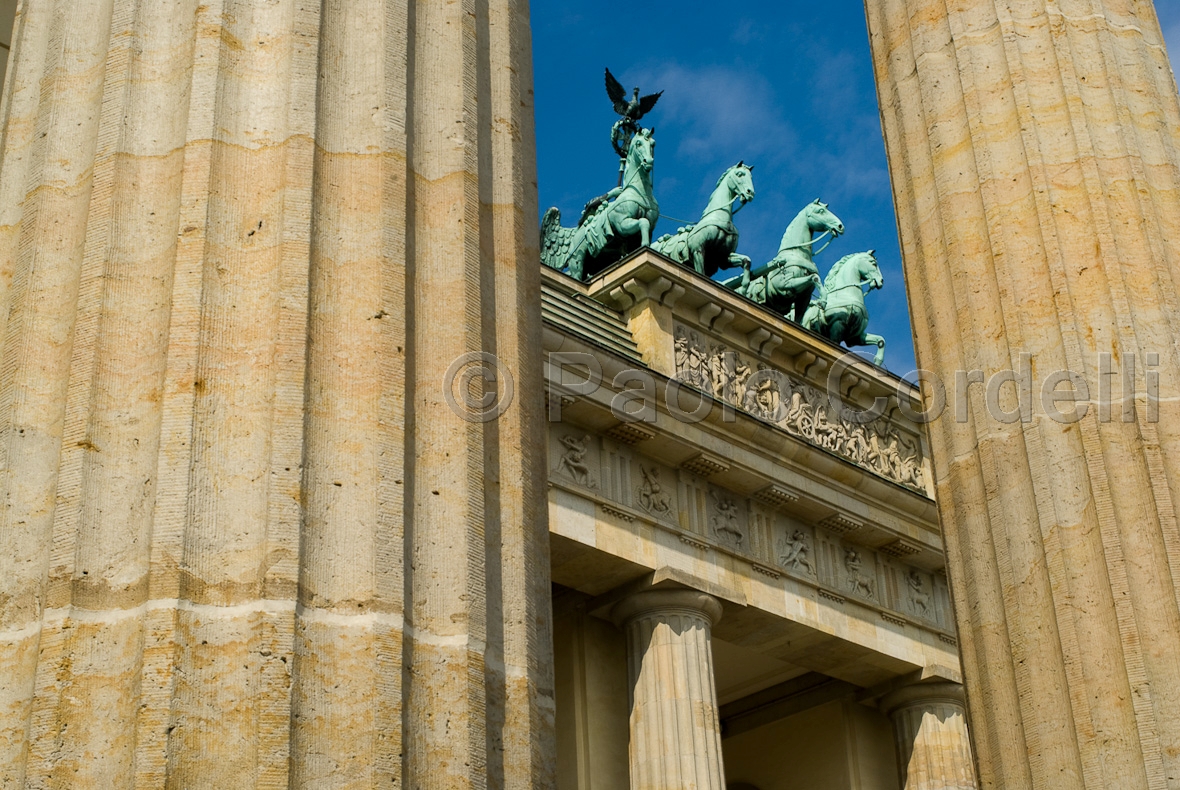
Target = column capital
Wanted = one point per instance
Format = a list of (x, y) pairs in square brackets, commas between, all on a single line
[(921, 694), (661, 601)]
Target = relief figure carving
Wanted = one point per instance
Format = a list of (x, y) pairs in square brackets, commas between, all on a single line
[(651, 494), (858, 582), (799, 408), (725, 518), (919, 598), (692, 362), (793, 552), (573, 460)]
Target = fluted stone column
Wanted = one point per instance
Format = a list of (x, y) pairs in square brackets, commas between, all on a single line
[(245, 541), (675, 727), (1034, 148), (930, 727)]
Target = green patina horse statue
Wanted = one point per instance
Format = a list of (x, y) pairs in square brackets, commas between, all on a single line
[(710, 244), (786, 283), (840, 314), (613, 225)]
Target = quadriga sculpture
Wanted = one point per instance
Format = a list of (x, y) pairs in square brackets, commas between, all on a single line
[(611, 226), (710, 244), (840, 314), (787, 282)]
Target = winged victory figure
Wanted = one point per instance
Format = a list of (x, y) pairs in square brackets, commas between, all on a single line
[(631, 111)]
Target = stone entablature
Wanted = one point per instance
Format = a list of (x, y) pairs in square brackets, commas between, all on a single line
[(720, 343), (635, 490), (800, 408)]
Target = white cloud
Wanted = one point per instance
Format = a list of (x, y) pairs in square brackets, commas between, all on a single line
[(747, 32), (717, 109)]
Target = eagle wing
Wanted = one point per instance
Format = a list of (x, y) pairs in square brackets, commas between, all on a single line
[(617, 93), (648, 102), (555, 240)]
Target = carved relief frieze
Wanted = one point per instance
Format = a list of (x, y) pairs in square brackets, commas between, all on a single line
[(653, 495), (706, 516), (572, 460), (859, 583), (919, 594), (794, 552), (798, 407), (725, 520)]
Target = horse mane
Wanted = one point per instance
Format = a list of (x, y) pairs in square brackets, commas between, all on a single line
[(729, 170), (830, 280)]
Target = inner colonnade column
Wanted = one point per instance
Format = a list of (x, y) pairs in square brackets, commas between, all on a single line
[(1034, 149), (675, 726), (930, 729), (246, 541)]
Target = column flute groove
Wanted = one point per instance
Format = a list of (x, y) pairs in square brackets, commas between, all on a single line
[(246, 541), (116, 492), (220, 637), (1038, 141), (335, 710), (37, 347), (675, 728)]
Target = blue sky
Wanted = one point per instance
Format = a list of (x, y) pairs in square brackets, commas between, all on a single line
[(791, 92)]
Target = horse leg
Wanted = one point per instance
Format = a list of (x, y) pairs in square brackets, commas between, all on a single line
[(626, 227), (837, 328), (697, 256), (802, 300), (869, 339)]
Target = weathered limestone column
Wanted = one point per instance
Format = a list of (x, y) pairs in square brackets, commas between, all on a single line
[(1034, 149), (933, 746), (245, 540), (675, 728)]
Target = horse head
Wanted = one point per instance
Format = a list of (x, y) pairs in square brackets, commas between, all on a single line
[(740, 181), (641, 154), (820, 218), (868, 269), (856, 268)]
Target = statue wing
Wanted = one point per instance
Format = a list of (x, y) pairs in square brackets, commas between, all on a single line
[(555, 240), (617, 93), (648, 102)]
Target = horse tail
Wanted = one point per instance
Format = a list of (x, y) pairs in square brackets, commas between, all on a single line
[(555, 240)]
